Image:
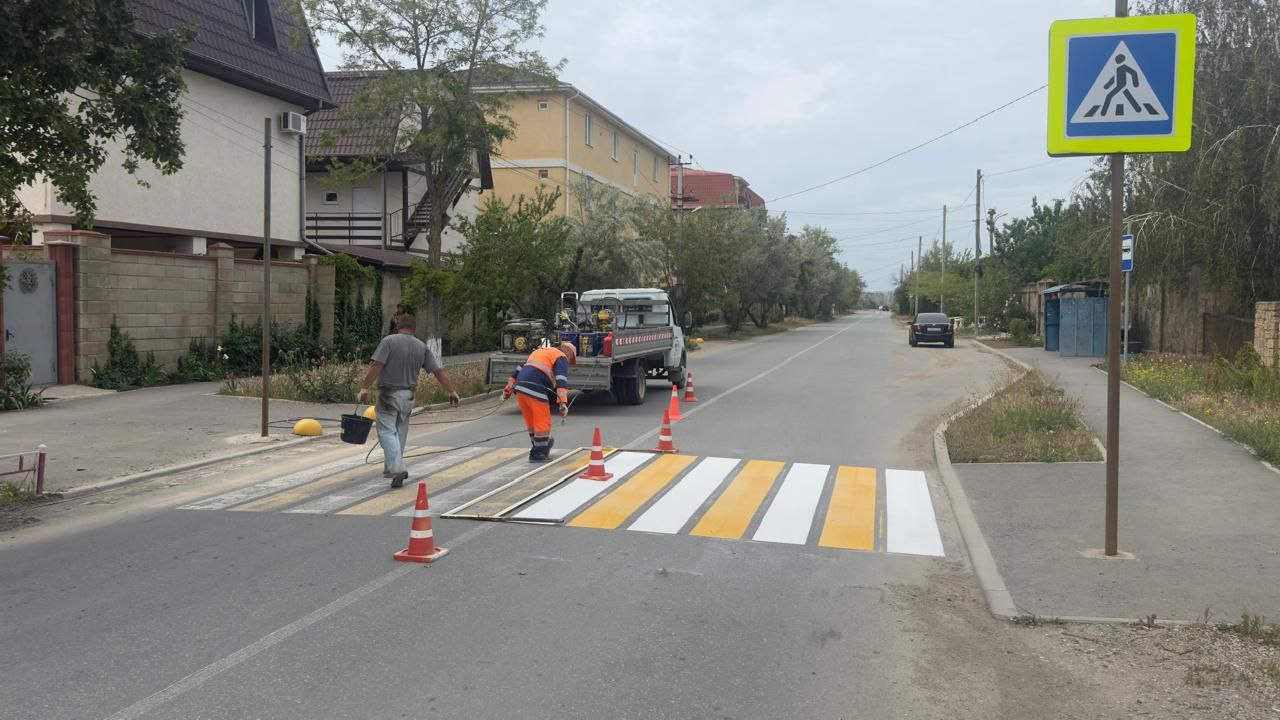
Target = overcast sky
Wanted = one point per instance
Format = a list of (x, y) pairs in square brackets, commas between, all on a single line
[(792, 94)]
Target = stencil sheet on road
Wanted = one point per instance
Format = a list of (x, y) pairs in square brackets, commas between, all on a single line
[(846, 507)]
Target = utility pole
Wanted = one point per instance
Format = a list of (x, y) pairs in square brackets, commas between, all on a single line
[(266, 274), (1113, 336), (680, 163), (942, 294), (913, 274), (977, 246), (919, 254)]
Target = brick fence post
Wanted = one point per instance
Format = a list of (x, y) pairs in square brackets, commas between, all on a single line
[(225, 276), (93, 307), (1266, 331)]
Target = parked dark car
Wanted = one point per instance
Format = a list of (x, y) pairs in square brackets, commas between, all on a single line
[(884, 308), (932, 328)]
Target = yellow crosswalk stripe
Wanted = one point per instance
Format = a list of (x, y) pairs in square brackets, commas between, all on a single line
[(618, 505), (436, 482), (851, 516), (732, 512), (279, 501)]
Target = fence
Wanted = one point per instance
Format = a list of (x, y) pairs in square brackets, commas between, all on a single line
[(1224, 334), (30, 466)]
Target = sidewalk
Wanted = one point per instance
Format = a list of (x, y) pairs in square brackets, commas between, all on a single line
[(1201, 515), (96, 438)]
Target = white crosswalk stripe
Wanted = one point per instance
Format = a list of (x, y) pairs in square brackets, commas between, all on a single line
[(791, 514), (367, 489)]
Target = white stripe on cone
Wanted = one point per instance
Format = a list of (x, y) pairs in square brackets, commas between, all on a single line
[(419, 534), (421, 513)]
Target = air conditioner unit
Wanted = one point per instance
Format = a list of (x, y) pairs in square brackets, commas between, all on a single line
[(292, 123)]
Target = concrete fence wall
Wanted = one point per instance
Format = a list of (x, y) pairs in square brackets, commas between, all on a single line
[(164, 300)]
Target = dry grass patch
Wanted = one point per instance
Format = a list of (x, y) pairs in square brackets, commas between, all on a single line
[(1031, 420)]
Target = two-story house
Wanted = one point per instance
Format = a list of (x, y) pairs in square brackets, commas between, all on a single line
[(242, 69), (709, 188)]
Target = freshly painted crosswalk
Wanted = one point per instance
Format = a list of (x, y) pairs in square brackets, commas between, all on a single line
[(846, 507)]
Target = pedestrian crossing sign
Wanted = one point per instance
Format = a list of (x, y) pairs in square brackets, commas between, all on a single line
[(1121, 84)]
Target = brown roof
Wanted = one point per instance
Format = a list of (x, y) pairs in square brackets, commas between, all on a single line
[(708, 188), (327, 126), (375, 255), (224, 49)]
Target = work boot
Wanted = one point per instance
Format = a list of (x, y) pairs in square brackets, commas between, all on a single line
[(540, 454), (398, 479)]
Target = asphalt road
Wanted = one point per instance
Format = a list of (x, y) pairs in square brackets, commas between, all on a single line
[(124, 606)]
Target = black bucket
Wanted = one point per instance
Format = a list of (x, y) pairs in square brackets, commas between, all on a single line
[(355, 428)]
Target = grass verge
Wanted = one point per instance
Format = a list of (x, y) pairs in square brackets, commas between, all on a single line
[(1238, 397), (749, 330), (340, 383), (1031, 420)]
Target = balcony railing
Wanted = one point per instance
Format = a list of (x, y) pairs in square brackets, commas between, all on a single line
[(348, 228)]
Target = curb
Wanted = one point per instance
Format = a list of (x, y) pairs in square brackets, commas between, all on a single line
[(81, 490), (999, 600), (472, 400)]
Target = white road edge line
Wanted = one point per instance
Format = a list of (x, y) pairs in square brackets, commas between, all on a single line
[(709, 402), (266, 642)]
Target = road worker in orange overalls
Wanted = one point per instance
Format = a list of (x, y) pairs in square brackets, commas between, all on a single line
[(540, 382)]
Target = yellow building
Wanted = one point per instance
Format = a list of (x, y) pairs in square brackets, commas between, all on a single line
[(563, 136)]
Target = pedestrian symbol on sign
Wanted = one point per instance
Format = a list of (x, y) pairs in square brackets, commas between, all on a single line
[(1121, 93)]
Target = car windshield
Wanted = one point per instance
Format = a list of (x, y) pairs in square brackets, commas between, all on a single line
[(931, 318)]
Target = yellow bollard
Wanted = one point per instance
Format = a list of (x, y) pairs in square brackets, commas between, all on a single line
[(306, 427)]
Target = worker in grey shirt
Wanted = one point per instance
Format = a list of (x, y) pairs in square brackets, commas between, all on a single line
[(397, 362)]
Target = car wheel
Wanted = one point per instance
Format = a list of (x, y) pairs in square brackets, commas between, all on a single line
[(951, 343), (911, 339)]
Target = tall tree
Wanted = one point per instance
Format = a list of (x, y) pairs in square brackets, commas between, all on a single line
[(432, 55), (74, 78)]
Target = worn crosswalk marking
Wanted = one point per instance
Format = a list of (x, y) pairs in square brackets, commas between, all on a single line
[(844, 507)]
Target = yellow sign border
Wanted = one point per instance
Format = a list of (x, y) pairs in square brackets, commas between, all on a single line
[(1059, 144)]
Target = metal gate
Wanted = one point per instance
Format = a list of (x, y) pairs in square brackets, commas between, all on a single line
[(30, 326)]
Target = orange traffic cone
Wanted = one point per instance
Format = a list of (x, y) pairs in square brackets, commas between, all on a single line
[(664, 435), (674, 410), (422, 543), (595, 471), (688, 389)]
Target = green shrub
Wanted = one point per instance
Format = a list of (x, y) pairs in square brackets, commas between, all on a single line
[(15, 391), (202, 363), (125, 368), (1019, 332), (1246, 375)]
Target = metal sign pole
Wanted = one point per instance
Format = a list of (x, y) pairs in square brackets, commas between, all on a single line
[(1113, 352), (266, 276)]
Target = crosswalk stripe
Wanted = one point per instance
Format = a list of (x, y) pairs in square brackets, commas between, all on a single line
[(790, 515), (851, 514), (733, 510), (617, 506), (673, 510), (912, 525), (356, 493), (462, 494), (262, 489), (576, 493), (293, 496), (438, 481)]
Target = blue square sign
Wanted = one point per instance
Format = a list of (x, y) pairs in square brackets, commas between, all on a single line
[(1121, 84)]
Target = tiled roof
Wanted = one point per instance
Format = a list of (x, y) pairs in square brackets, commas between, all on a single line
[(223, 47), (324, 126), (708, 188)]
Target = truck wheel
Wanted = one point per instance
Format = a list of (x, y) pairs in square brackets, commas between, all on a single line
[(630, 388), (677, 375)]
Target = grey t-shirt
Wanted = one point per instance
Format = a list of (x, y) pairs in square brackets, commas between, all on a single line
[(403, 356)]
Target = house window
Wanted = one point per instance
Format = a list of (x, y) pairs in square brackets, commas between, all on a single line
[(257, 14), (635, 167), (614, 152), (330, 198), (544, 174), (655, 168), (591, 126), (543, 104)]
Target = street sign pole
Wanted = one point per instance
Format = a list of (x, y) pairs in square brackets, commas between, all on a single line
[(1116, 86), (1126, 266)]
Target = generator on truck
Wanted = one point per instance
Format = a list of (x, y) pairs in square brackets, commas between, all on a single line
[(624, 338)]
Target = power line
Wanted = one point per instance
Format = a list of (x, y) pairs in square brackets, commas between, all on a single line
[(1015, 170), (895, 156)]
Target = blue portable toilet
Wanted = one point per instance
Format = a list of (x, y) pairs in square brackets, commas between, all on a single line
[(1075, 319)]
